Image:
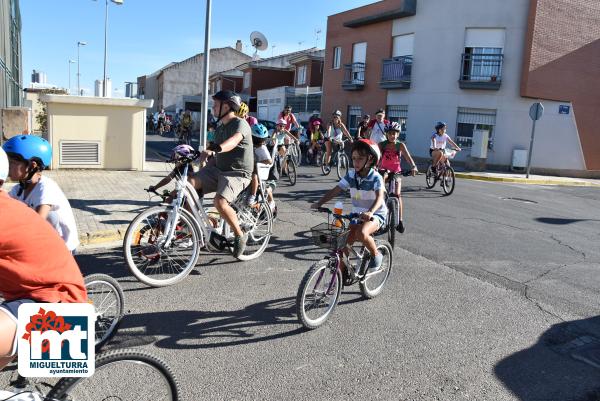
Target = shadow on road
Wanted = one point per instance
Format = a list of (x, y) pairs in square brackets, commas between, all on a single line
[(560, 221), (94, 206), (553, 368)]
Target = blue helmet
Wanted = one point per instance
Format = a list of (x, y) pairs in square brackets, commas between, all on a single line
[(260, 131), (30, 147)]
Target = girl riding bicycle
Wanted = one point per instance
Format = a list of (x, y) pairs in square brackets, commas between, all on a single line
[(368, 199), (336, 130), (392, 151), (316, 138), (438, 144)]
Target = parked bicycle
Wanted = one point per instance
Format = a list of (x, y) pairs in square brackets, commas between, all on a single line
[(321, 287), (339, 159), (162, 244), (443, 173)]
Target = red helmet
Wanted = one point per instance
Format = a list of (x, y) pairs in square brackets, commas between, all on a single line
[(372, 147)]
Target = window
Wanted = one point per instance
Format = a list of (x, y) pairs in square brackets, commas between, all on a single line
[(246, 80), (337, 58), (398, 114), (301, 75), (469, 120), (219, 85), (403, 45), (482, 59), (354, 116)]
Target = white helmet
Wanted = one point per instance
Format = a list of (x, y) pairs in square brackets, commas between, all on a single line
[(3, 165)]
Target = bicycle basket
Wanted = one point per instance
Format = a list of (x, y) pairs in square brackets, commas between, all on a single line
[(329, 236)]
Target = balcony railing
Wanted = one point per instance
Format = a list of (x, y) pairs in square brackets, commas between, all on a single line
[(481, 71), (354, 76), (396, 72)]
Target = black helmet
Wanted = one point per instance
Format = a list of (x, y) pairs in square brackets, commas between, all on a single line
[(231, 98), (440, 125)]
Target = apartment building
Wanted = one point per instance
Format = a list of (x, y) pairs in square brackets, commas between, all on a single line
[(478, 65), (11, 71)]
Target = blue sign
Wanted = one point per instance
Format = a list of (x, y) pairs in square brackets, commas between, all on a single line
[(563, 109)]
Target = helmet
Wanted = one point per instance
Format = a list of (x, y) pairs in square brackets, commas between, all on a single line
[(440, 125), (371, 146), (260, 131), (30, 147), (337, 113), (316, 122), (281, 121), (3, 165), (229, 97), (393, 127), (243, 110), (180, 151)]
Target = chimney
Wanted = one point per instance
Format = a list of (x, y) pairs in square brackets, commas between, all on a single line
[(238, 45)]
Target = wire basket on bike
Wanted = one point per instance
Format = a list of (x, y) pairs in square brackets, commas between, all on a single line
[(329, 236)]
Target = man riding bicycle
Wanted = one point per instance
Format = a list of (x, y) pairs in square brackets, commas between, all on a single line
[(229, 171), (438, 144)]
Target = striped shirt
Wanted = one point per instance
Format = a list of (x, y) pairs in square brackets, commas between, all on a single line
[(363, 191)]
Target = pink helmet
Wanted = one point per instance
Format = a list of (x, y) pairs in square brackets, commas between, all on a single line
[(281, 121), (316, 122), (180, 151)]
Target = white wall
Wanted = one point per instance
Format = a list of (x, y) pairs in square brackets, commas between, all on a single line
[(276, 103), (435, 95)]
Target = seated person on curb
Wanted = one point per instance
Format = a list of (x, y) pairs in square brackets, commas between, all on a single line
[(28, 155), (438, 144), (262, 159), (368, 198), (335, 133), (230, 170), (392, 150), (35, 265)]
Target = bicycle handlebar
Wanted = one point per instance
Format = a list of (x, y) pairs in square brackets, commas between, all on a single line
[(350, 216)]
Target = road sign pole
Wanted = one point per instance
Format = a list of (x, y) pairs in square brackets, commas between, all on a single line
[(530, 148)]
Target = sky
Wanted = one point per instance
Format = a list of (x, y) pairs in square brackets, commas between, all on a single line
[(145, 35)]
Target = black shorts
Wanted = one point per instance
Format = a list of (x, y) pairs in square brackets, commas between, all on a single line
[(431, 151)]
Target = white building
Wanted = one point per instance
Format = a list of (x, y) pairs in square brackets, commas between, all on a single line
[(98, 88)]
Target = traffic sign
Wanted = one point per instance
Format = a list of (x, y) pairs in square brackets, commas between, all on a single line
[(536, 111)]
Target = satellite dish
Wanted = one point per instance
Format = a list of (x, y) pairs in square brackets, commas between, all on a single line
[(258, 41)]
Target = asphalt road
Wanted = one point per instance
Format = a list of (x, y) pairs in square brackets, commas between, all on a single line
[(493, 296)]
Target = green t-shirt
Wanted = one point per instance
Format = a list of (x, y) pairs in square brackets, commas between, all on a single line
[(241, 158)]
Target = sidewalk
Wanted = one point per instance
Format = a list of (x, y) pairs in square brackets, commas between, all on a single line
[(533, 179)]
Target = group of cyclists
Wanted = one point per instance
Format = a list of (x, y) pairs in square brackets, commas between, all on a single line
[(181, 123)]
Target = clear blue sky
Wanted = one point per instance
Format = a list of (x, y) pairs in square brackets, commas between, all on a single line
[(145, 35)]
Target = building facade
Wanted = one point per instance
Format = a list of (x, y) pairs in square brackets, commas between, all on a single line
[(11, 76), (478, 65)]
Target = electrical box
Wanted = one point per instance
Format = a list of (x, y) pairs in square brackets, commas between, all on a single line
[(479, 147), (519, 159)]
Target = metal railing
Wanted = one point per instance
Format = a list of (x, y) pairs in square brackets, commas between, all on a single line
[(354, 74), (397, 69), (481, 67)]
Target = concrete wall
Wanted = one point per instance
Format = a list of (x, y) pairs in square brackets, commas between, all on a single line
[(119, 125), (36, 108), (435, 95)]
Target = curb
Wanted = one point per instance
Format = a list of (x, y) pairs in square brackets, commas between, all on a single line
[(101, 237), (526, 181)]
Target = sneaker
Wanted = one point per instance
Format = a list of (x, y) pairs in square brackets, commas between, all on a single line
[(400, 227), (251, 200), (239, 245), (376, 262)]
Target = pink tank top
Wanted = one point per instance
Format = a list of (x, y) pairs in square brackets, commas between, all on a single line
[(390, 159)]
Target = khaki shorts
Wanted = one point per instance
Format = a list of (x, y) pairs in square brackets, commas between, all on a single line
[(228, 184)]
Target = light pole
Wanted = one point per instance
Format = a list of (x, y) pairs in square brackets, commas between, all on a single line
[(79, 44), (70, 62), (203, 122), (117, 2)]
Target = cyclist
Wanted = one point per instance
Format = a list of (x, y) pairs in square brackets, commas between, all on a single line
[(438, 144), (230, 170), (35, 266), (178, 152), (363, 127), (377, 126), (336, 130), (368, 199), (315, 117), (263, 161), (289, 117), (282, 137), (392, 151), (161, 121), (28, 156), (186, 126), (315, 137), (243, 113)]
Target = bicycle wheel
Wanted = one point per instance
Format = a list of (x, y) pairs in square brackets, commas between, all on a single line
[(318, 294), (257, 222), (325, 168), (105, 293), (342, 165), (448, 181), (430, 177), (291, 171), (392, 205), (372, 284), (295, 153), (124, 375), (149, 259)]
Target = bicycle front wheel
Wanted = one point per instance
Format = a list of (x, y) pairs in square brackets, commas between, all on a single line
[(150, 258), (342, 165), (124, 375), (257, 221), (318, 294), (448, 181), (430, 177), (392, 205), (291, 171), (105, 293), (372, 284), (325, 168)]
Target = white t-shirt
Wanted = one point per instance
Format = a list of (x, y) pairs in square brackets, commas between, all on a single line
[(47, 192), (378, 132), (260, 154), (440, 141)]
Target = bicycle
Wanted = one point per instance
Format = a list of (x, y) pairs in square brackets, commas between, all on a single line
[(287, 164), (338, 158), (321, 287), (162, 244), (393, 204), (105, 293), (444, 173)]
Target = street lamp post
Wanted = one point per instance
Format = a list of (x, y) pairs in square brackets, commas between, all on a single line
[(70, 62), (203, 122), (117, 2), (79, 44)]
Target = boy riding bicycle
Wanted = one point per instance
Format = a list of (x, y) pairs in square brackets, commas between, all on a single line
[(368, 199)]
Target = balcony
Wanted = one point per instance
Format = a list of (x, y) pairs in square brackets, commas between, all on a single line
[(481, 71), (354, 76), (396, 73)]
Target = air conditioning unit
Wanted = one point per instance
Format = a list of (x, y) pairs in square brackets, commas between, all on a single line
[(519, 159), (479, 147)]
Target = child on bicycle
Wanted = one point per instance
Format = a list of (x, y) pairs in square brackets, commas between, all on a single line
[(438, 144), (392, 151), (262, 158), (28, 156), (282, 137), (335, 134), (368, 199), (178, 152), (315, 137)]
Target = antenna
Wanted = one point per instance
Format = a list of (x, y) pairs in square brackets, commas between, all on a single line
[(317, 32), (259, 42), (300, 45)]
